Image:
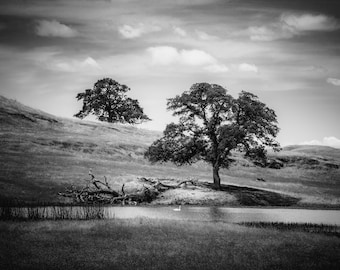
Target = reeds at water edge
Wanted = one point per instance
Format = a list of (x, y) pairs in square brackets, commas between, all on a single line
[(52, 212)]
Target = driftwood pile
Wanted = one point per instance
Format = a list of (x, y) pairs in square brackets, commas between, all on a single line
[(100, 192)]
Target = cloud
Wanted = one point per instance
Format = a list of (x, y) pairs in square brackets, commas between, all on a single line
[(196, 57), (310, 22), (179, 31), (217, 68), (197, 34), (130, 32), (163, 55), (334, 81), (167, 55), (270, 32), (204, 36), (244, 67), (54, 28), (65, 65), (326, 141), (290, 25), (52, 61)]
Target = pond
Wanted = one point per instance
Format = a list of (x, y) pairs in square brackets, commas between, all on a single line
[(191, 213), (230, 215)]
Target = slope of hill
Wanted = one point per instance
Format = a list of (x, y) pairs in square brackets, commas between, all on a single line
[(41, 154), (324, 152)]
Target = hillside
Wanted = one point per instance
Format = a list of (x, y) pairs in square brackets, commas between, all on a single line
[(41, 154)]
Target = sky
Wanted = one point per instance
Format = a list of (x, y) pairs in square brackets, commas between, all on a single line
[(285, 52)]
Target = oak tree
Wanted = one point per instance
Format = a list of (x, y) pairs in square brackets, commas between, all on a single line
[(109, 102), (211, 124)]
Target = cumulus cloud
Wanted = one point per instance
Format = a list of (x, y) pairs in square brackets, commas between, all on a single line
[(52, 62), (164, 55), (310, 22), (334, 81), (179, 31), (327, 141), (244, 67), (135, 31), (54, 28), (271, 32), (290, 25), (196, 57), (217, 68), (167, 55), (204, 36)]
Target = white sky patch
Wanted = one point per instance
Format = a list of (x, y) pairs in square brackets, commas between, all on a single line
[(54, 28), (179, 31), (135, 31), (334, 81), (245, 67), (326, 141), (310, 22), (204, 36)]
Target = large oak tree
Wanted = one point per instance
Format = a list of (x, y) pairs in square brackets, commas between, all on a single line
[(211, 124), (109, 102)]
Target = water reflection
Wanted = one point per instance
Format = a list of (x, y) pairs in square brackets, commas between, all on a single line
[(231, 215), (194, 213)]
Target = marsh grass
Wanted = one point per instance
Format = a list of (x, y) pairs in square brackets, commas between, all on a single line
[(52, 213)]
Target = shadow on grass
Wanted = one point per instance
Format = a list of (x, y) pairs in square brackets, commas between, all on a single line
[(330, 230), (258, 197)]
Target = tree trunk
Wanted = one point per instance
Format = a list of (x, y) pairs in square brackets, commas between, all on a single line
[(216, 176)]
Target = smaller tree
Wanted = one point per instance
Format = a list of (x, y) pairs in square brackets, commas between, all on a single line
[(212, 123), (109, 102)]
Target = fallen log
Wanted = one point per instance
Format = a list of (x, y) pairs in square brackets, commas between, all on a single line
[(158, 184), (97, 191)]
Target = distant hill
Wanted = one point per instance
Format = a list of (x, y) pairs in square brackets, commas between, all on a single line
[(318, 150), (309, 156)]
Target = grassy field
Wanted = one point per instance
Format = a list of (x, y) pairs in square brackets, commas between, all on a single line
[(161, 244), (41, 154)]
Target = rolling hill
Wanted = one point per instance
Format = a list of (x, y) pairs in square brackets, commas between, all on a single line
[(41, 154)]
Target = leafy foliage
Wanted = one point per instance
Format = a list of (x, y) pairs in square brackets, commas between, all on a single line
[(211, 124), (108, 101)]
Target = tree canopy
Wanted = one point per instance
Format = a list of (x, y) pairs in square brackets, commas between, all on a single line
[(211, 124), (109, 102)]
